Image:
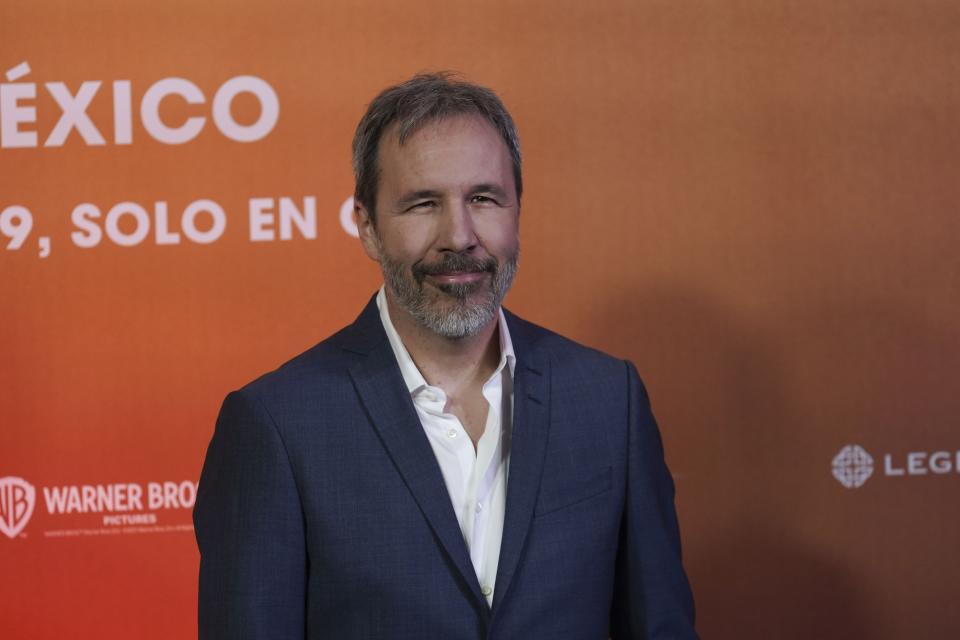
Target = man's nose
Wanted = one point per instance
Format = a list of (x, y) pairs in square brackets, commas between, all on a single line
[(457, 232)]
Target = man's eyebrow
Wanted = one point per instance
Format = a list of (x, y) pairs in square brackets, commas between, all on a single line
[(411, 197), (495, 189)]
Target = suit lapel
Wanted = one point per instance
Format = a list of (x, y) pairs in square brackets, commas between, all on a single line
[(384, 395), (531, 410)]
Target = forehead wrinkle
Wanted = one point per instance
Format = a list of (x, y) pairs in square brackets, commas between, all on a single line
[(453, 136)]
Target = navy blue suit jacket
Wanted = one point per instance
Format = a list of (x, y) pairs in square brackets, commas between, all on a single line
[(322, 512)]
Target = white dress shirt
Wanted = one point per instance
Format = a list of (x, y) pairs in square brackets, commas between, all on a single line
[(476, 479)]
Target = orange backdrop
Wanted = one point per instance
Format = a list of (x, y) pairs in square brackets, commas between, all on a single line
[(754, 200)]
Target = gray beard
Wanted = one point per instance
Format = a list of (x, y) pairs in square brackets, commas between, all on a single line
[(466, 317)]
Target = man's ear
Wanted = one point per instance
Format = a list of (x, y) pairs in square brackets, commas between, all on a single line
[(367, 229)]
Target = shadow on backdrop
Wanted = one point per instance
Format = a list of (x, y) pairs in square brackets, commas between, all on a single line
[(733, 429)]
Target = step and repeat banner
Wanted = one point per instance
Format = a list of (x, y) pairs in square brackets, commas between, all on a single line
[(754, 201)]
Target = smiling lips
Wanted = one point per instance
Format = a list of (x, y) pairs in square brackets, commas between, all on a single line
[(456, 272), (457, 277)]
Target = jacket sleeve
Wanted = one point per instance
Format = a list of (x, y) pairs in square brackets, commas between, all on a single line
[(652, 597), (250, 531)]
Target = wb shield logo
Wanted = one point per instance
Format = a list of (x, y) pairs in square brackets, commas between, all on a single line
[(17, 498)]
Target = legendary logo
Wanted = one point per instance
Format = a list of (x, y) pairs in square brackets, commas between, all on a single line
[(852, 466), (17, 499)]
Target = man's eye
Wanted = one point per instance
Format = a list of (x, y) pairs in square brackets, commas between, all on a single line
[(483, 199), (426, 204)]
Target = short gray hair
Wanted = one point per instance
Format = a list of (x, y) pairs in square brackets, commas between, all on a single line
[(422, 99)]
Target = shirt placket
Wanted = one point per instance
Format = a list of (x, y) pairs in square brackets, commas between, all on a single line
[(483, 480)]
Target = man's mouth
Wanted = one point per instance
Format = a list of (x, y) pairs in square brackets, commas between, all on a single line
[(456, 277), (455, 274)]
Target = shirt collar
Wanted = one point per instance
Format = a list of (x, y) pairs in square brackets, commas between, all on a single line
[(411, 374)]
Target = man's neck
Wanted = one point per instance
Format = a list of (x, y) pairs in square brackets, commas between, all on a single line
[(453, 364)]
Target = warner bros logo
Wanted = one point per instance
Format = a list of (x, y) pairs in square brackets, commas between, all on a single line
[(17, 499)]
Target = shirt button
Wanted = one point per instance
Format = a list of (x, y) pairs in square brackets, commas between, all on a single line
[(451, 433), (486, 590), (479, 507)]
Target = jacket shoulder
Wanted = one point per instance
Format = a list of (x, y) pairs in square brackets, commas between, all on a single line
[(565, 355), (326, 360)]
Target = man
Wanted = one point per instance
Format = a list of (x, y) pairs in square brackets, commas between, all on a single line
[(440, 468)]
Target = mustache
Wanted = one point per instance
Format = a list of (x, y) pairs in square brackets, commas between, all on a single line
[(454, 263)]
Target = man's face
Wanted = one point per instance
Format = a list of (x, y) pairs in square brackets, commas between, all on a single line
[(446, 235)]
